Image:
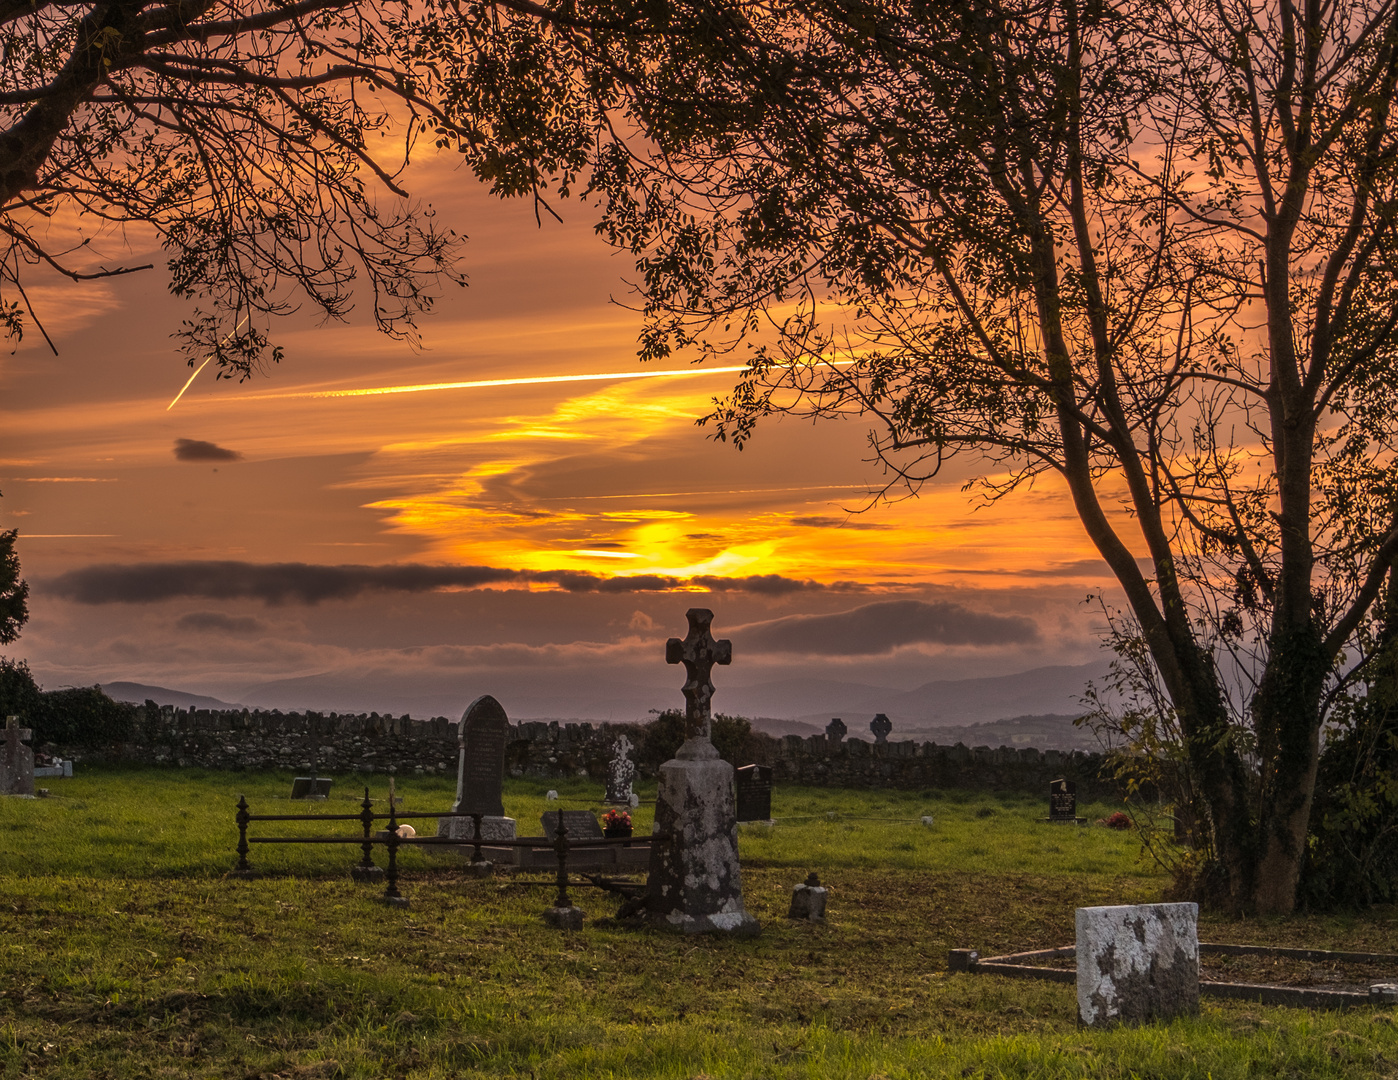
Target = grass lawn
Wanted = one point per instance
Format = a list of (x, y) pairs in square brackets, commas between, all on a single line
[(126, 951)]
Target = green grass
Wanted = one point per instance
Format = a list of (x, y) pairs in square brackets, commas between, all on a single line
[(126, 951)]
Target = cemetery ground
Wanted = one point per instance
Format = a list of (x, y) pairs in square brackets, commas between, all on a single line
[(128, 951)]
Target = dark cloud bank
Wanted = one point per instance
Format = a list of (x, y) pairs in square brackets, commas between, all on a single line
[(884, 625), (198, 450), (306, 583)]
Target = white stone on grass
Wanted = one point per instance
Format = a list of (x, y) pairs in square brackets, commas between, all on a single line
[(1137, 962)]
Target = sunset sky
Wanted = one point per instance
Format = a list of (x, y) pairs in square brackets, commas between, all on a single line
[(557, 488)]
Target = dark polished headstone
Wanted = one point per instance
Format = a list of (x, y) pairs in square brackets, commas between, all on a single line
[(580, 824), (1063, 800), (481, 773), (754, 783)]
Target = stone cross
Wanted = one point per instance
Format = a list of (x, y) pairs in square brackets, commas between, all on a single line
[(698, 652), (17, 761), (880, 725)]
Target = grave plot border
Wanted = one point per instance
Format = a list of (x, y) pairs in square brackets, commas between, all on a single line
[(365, 870), (1019, 966)]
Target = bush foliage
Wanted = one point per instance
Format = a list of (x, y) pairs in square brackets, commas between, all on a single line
[(73, 716)]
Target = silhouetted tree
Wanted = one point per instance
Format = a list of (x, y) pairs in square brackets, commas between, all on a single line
[(1147, 248), (249, 137), (14, 590)]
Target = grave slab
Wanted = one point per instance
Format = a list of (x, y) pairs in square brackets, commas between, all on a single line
[(1137, 963)]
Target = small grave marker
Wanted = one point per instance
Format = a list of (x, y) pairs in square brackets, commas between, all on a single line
[(754, 784), (580, 824), (1063, 801)]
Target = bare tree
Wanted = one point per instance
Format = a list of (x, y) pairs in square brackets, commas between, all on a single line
[(1145, 247)]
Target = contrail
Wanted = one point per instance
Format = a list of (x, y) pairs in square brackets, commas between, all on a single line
[(479, 384), (205, 364)]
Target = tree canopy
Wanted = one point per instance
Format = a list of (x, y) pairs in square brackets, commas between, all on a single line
[(247, 135), (1145, 247)]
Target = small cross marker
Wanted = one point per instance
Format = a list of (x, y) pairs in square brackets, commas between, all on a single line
[(698, 652)]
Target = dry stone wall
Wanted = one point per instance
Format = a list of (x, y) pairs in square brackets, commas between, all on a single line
[(374, 743)]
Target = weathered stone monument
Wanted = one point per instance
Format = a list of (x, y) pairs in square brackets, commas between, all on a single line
[(880, 725), (1137, 962), (835, 731), (620, 774), (695, 885), (16, 760), (480, 774), (754, 784)]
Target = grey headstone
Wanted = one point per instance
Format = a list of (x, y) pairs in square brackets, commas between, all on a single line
[(1137, 962), (16, 760), (1063, 800), (480, 774), (754, 783), (620, 773), (580, 824), (880, 725)]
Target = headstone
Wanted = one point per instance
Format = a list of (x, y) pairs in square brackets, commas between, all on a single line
[(808, 900), (1137, 962), (307, 787), (16, 760), (695, 885), (754, 784), (580, 824), (480, 774), (880, 725), (620, 773), (836, 730), (1063, 801)]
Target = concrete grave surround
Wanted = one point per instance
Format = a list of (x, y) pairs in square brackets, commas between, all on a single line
[(1137, 963), (695, 885)]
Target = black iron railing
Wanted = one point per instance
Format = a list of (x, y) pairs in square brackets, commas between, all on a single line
[(366, 870)]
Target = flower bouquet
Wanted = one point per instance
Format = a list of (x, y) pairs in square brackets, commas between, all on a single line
[(616, 823)]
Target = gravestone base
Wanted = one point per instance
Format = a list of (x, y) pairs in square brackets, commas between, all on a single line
[(395, 901), (808, 901), (367, 874), (695, 886), (493, 827), (564, 918), (483, 869), (311, 787), (1137, 963)]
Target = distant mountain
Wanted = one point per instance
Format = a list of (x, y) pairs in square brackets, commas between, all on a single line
[(139, 693)]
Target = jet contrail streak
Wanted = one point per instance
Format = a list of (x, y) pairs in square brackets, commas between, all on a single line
[(186, 386), (202, 366), (480, 384)]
